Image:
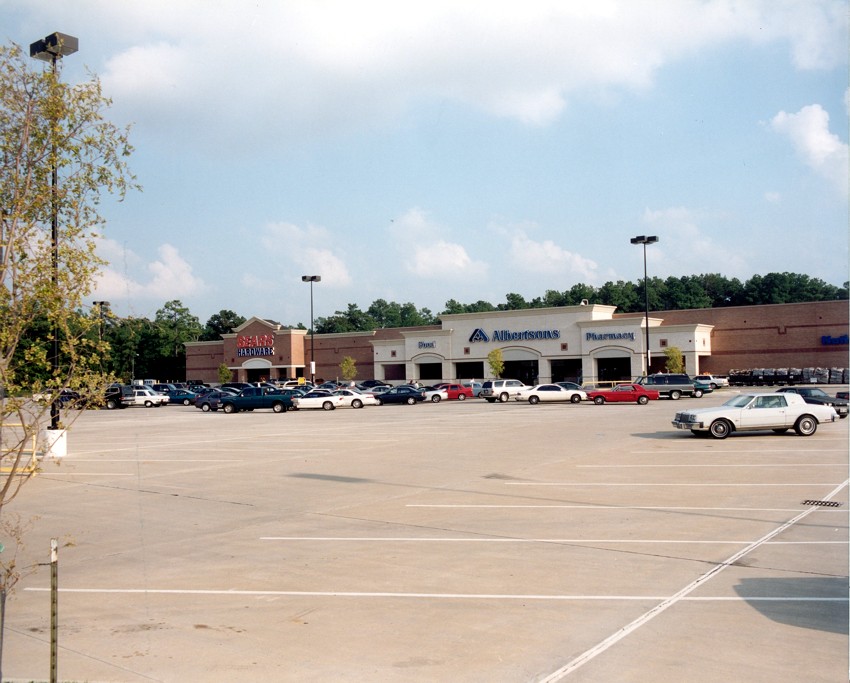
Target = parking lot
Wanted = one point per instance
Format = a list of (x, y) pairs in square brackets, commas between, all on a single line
[(459, 541)]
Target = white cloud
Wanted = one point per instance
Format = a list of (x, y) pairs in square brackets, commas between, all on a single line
[(171, 276), (822, 151), (305, 248), (444, 260), (773, 197), (548, 258), (234, 69)]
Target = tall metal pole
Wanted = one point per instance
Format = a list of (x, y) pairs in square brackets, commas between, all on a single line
[(311, 279), (644, 240), (51, 49)]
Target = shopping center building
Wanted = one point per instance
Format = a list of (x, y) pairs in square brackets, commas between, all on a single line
[(585, 343)]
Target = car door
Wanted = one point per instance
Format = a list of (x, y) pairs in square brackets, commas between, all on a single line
[(765, 412)]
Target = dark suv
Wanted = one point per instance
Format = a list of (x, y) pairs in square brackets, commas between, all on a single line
[(118, 396), (671, 386)]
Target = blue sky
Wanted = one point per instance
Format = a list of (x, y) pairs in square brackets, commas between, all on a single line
[(426, 151)]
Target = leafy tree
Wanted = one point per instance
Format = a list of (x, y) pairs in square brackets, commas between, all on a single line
[(496, 361), (624, 295), (514, 302), (675, 362), (453, 307), (47, 125), (225, 374), (174, 325), (352, 320), (221, 323), (348, 368)]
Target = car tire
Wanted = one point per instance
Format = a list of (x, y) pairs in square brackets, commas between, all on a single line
[(533, 400), (806, 425), (327, 405), (599, 400), (279, 408), (229, 408), (435, 398), (698, 393), (642, 400), (357, 403), (205, 407), (675, 395), (575, 398), (187, 402), (111, 404), (411, 400), (503, 397), (713, 386), (720, 429), (462, 397), (148, 404), (380, 402)]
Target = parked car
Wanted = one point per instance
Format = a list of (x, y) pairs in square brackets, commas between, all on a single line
[(379, 389), (369, 383), (118, 396), (571, 385), (402, 394), (501, 389), (257, 398), (819, 397), (142, 396), (714, 381), (777, 412), (235, 386), (457, 392), (356, 399), (843, 394), (317, 399), (211, 400), (672, 385), (623, 393), (182, 397), (475, 386), (436, 394), (550, 392), (163, 388)]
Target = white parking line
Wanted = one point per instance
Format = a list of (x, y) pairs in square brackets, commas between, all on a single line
[(609, 507), (643, 484), (842, 465), (616, 637), (402, 539), (430, 596)]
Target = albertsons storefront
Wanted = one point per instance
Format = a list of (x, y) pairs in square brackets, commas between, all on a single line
[(577, 343)]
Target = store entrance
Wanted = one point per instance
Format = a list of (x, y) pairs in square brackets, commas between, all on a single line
[(523, 370), (567, 370), (614, 369)]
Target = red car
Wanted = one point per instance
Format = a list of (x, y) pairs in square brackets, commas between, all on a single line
[(623, 393), (457, 391)]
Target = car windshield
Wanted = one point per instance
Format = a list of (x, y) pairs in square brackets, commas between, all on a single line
[(739, 401), (813, 392)]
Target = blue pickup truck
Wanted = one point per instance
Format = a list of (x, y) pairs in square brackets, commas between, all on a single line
[(257, 398)]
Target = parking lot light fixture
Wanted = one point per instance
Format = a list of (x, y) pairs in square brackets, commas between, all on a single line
[(311, 279), (644, 240)]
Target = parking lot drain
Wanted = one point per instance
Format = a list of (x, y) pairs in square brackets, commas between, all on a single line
[(823, 503)]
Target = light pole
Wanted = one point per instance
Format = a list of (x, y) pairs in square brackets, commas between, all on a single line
[(51, 49), (311, 279), (644, 240)]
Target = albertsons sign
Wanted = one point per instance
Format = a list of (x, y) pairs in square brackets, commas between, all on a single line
[(480, 335)]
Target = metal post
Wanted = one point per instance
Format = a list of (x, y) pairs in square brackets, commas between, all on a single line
[(54, 609), (311, 279), (644, 240)]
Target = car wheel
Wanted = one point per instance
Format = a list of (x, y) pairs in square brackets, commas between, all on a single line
[(357, 403), (435, 398), (575, 398), (675, 395), (503, 398), (205, 407), (327, 405), (462, 397), (186, 402), (111, 404), (713, 386), (279, 408), (411, 400), (642, 400), (720, 429), (533, 400), (599, 400), (698, 393), (379, 401), (806, 425), (148, 404), (229, 408)]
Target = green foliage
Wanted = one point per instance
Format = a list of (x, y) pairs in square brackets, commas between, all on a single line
[(348, 368), (224, 374), (496, 361), (675, 362), (223, 322)]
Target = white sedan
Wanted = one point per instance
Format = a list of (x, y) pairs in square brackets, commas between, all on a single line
[(550, 392), (142, 396), (318, 399), (356, 399), (436, 395)]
